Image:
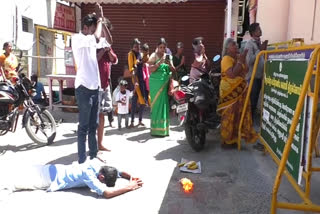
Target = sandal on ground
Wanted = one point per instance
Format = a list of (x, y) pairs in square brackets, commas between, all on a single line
[(141, 124)]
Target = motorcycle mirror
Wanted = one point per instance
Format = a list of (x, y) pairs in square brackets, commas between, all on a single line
[(185, 78), (216, 58)]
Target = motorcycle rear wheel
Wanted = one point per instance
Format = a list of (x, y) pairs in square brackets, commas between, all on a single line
[(35, 129), (195, 137)]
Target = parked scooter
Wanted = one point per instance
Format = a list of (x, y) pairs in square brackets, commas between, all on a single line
[(196, 105), (39, 123)]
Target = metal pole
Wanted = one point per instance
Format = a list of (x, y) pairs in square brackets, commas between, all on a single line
[(16, 35), (38, 49), (229, 13), (314, 19), (314, 128)]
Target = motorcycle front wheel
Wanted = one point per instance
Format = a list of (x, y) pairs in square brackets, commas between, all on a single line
[(195, 137), (42, 133)]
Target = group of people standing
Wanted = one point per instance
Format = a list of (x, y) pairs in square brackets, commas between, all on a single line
[(236, 72), (149, 74)]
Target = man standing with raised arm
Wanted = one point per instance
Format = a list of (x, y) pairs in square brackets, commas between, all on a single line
[(87, 82)]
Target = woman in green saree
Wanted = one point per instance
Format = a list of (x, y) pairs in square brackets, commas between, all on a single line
[(161, 66)]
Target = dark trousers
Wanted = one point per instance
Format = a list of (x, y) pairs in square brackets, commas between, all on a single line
[(88, 104), (255, 92), (143, 89), (134, 103), (110, 116)]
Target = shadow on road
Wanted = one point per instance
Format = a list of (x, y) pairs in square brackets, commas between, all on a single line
[(71, 134), (65, 160), (141, 138), (84, 191), (64, 142), (21, 148), (122, 131)]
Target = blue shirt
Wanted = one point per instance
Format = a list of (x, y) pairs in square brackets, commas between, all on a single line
[(77, 175), (39, 90)]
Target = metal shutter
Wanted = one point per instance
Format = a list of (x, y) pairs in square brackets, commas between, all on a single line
[(175, 22)]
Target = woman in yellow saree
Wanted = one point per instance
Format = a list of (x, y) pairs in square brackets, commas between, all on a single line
[(233, 91), (9, 62), (160, 66)]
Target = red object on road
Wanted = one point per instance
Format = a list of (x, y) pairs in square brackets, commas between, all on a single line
[(187, 185)]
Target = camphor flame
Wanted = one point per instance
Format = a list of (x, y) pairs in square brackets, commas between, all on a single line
[(187, 185)]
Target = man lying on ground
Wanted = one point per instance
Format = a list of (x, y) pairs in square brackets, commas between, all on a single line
[(53, 177)]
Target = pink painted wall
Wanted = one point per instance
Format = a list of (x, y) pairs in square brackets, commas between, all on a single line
[(273, 18), (283, 20), (301, 21)]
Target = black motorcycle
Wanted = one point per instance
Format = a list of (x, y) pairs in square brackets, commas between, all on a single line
[(197, 105), (39, 123)]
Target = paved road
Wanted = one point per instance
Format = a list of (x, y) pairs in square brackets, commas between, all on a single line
[(232, 182)]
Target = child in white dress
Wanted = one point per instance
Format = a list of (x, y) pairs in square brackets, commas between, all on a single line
[(122, 99)]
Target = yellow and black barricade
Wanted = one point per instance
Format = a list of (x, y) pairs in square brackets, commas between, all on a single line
[(289, 118)]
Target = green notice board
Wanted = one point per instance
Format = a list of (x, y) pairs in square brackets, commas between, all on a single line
[(282, 87)]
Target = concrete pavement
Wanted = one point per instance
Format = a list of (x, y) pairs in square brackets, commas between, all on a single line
[(232, 182)]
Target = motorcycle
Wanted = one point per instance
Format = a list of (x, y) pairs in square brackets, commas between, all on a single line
[(179, 103), (39, 123), (196, 105)]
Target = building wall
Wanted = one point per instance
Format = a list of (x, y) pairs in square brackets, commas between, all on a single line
[(234, 19), (38, 12), (287, 19), (273, 18), (7, 23), (301, 21)]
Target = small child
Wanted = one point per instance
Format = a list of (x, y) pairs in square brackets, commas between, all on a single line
[(122, 98)]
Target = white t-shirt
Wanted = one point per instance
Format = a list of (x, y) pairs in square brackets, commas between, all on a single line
[(84, 49), (103, 43), (123, 108)]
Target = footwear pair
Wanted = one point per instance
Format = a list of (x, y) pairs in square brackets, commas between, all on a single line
[(139, 124)]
